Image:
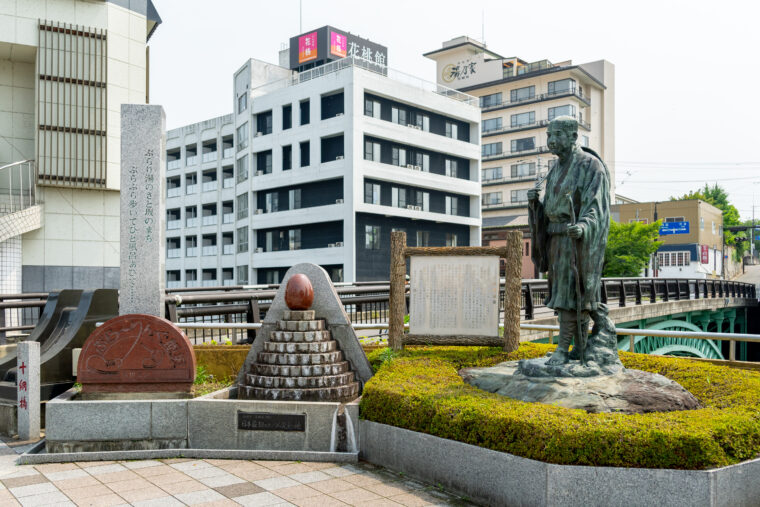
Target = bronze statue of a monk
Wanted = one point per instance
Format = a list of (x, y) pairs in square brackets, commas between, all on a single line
[(569, 229)]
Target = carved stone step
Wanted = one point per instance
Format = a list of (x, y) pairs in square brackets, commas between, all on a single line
[(300, 325), (276, 370), (298, 315), (300, 359), (300, 348), (300, 336), (338, 393), (299, 382)]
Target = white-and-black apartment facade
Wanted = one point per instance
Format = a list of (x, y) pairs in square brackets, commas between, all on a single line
[(323, 157)]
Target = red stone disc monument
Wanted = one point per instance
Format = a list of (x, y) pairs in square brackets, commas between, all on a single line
[(137, 353)]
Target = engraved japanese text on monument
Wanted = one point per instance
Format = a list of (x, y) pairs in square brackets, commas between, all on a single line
[(454, 295)]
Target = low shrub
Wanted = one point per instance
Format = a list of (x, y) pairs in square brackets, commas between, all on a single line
[(419, 389)]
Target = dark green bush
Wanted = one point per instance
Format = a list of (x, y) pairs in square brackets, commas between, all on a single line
[(419, 389)]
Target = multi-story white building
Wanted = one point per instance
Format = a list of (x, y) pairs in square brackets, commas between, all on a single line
[(66, 66), (327, 162)]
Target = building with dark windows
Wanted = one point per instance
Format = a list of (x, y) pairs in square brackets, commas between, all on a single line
[(320, 165), (518, 99)]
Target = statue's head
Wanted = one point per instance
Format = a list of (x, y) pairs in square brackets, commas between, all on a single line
[(562, 134)]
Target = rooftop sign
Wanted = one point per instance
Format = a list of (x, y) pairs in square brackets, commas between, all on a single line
[(327, 44)]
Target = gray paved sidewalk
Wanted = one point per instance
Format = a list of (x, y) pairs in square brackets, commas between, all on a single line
[(210, 482)]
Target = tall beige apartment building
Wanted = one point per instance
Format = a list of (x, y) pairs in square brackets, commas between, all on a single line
[(66, 67), (518, 99)]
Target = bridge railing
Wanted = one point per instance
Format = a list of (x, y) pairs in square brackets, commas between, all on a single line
[(367, 302)]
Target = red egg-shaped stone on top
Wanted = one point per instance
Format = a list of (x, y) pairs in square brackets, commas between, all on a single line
[(299, 294)]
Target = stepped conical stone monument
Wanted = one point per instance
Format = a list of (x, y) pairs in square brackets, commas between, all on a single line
[(295, 357)]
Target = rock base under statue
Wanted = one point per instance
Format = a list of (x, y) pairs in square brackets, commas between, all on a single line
[(626, 391)]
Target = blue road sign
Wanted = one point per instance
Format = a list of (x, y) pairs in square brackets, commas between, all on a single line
[(674, 228)]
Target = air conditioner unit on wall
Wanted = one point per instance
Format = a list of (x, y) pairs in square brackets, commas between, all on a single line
[(259, 250), (417, 167), (339, 243), (410, 166), (259, 212), (410, 206), (418, 208), (339, 157), (259, 173), (258, 134), (339, 114), (330, 245), (338, 201)]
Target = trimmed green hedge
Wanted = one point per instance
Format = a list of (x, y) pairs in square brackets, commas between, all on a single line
[(419, 389)]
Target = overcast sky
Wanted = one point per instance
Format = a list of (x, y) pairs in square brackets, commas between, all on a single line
[(687, 75)]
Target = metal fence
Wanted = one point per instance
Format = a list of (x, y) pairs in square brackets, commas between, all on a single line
[(366, 303)]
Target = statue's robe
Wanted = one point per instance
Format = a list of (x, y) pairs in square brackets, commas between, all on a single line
[(587, 181)]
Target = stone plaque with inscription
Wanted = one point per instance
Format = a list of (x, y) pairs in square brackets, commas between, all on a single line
[(263, 421), (136, 353), (454, 295), (143, 213)]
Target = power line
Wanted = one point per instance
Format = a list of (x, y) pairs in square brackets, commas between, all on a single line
[(701, 180)]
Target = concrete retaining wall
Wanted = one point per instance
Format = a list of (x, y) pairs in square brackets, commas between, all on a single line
[(497, 478)]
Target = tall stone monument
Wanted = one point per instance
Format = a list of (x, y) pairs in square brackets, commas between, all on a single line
[(143, 213)]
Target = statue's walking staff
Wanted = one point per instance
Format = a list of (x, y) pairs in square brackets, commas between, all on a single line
[(581, 343)]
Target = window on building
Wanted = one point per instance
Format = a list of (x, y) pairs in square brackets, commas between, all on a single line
[(566, 110), (371, 151), (452, 130), (398, 115), (398, 197), (332, 148), (242, 206), (305, 149), (372, 108), (491, 149), (264, 162), (584, 141), (523, 170), (422, 121), (372, 193), (191, 277), (242, 136), (423, 238), (523, 119), (242, 239), (264, 123), (423, 200), (491, 198), (701, 223), (287, 157), (452, 205), (305, 108), (491, 124), (521, 94), (561, 86), (398, 156), (287, 116), (242, 274), (713, 227), (332, 105), (451, 239), (272, 202), (191, 246), (372, 237), (524, 144), (493, 99), (422, 160), (673, 219), (519, 196), (242, 168), (491, 173), (451, 168), (242, 102), (294, 239), (294, 198)]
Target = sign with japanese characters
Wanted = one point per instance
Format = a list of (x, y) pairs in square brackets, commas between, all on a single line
[(668, 228), (454, 295), (307, 47), (328, 44), (462, 69), (704, 254), (28, 389)]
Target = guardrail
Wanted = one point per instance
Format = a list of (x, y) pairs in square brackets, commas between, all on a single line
[(367, 302)]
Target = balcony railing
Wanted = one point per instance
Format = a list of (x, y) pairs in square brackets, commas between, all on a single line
[(516, 153), (173, 224), (537, 98), (228, 218), (191, 251), (228, 182), (228, 152), (173, 164), (191, 160), (174, 192), (208, 186), (209, 156), (228, 249), (173, 284), (192, 283), (487, 205), (209, 283), (209, 250), (174, 253), (209, 220), (228, 282), (191, 189), (191, 222)]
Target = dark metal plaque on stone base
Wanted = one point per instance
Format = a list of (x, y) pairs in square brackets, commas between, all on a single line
[(262, 421)]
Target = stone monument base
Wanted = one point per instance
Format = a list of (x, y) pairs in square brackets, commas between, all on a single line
[(626, 391)]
